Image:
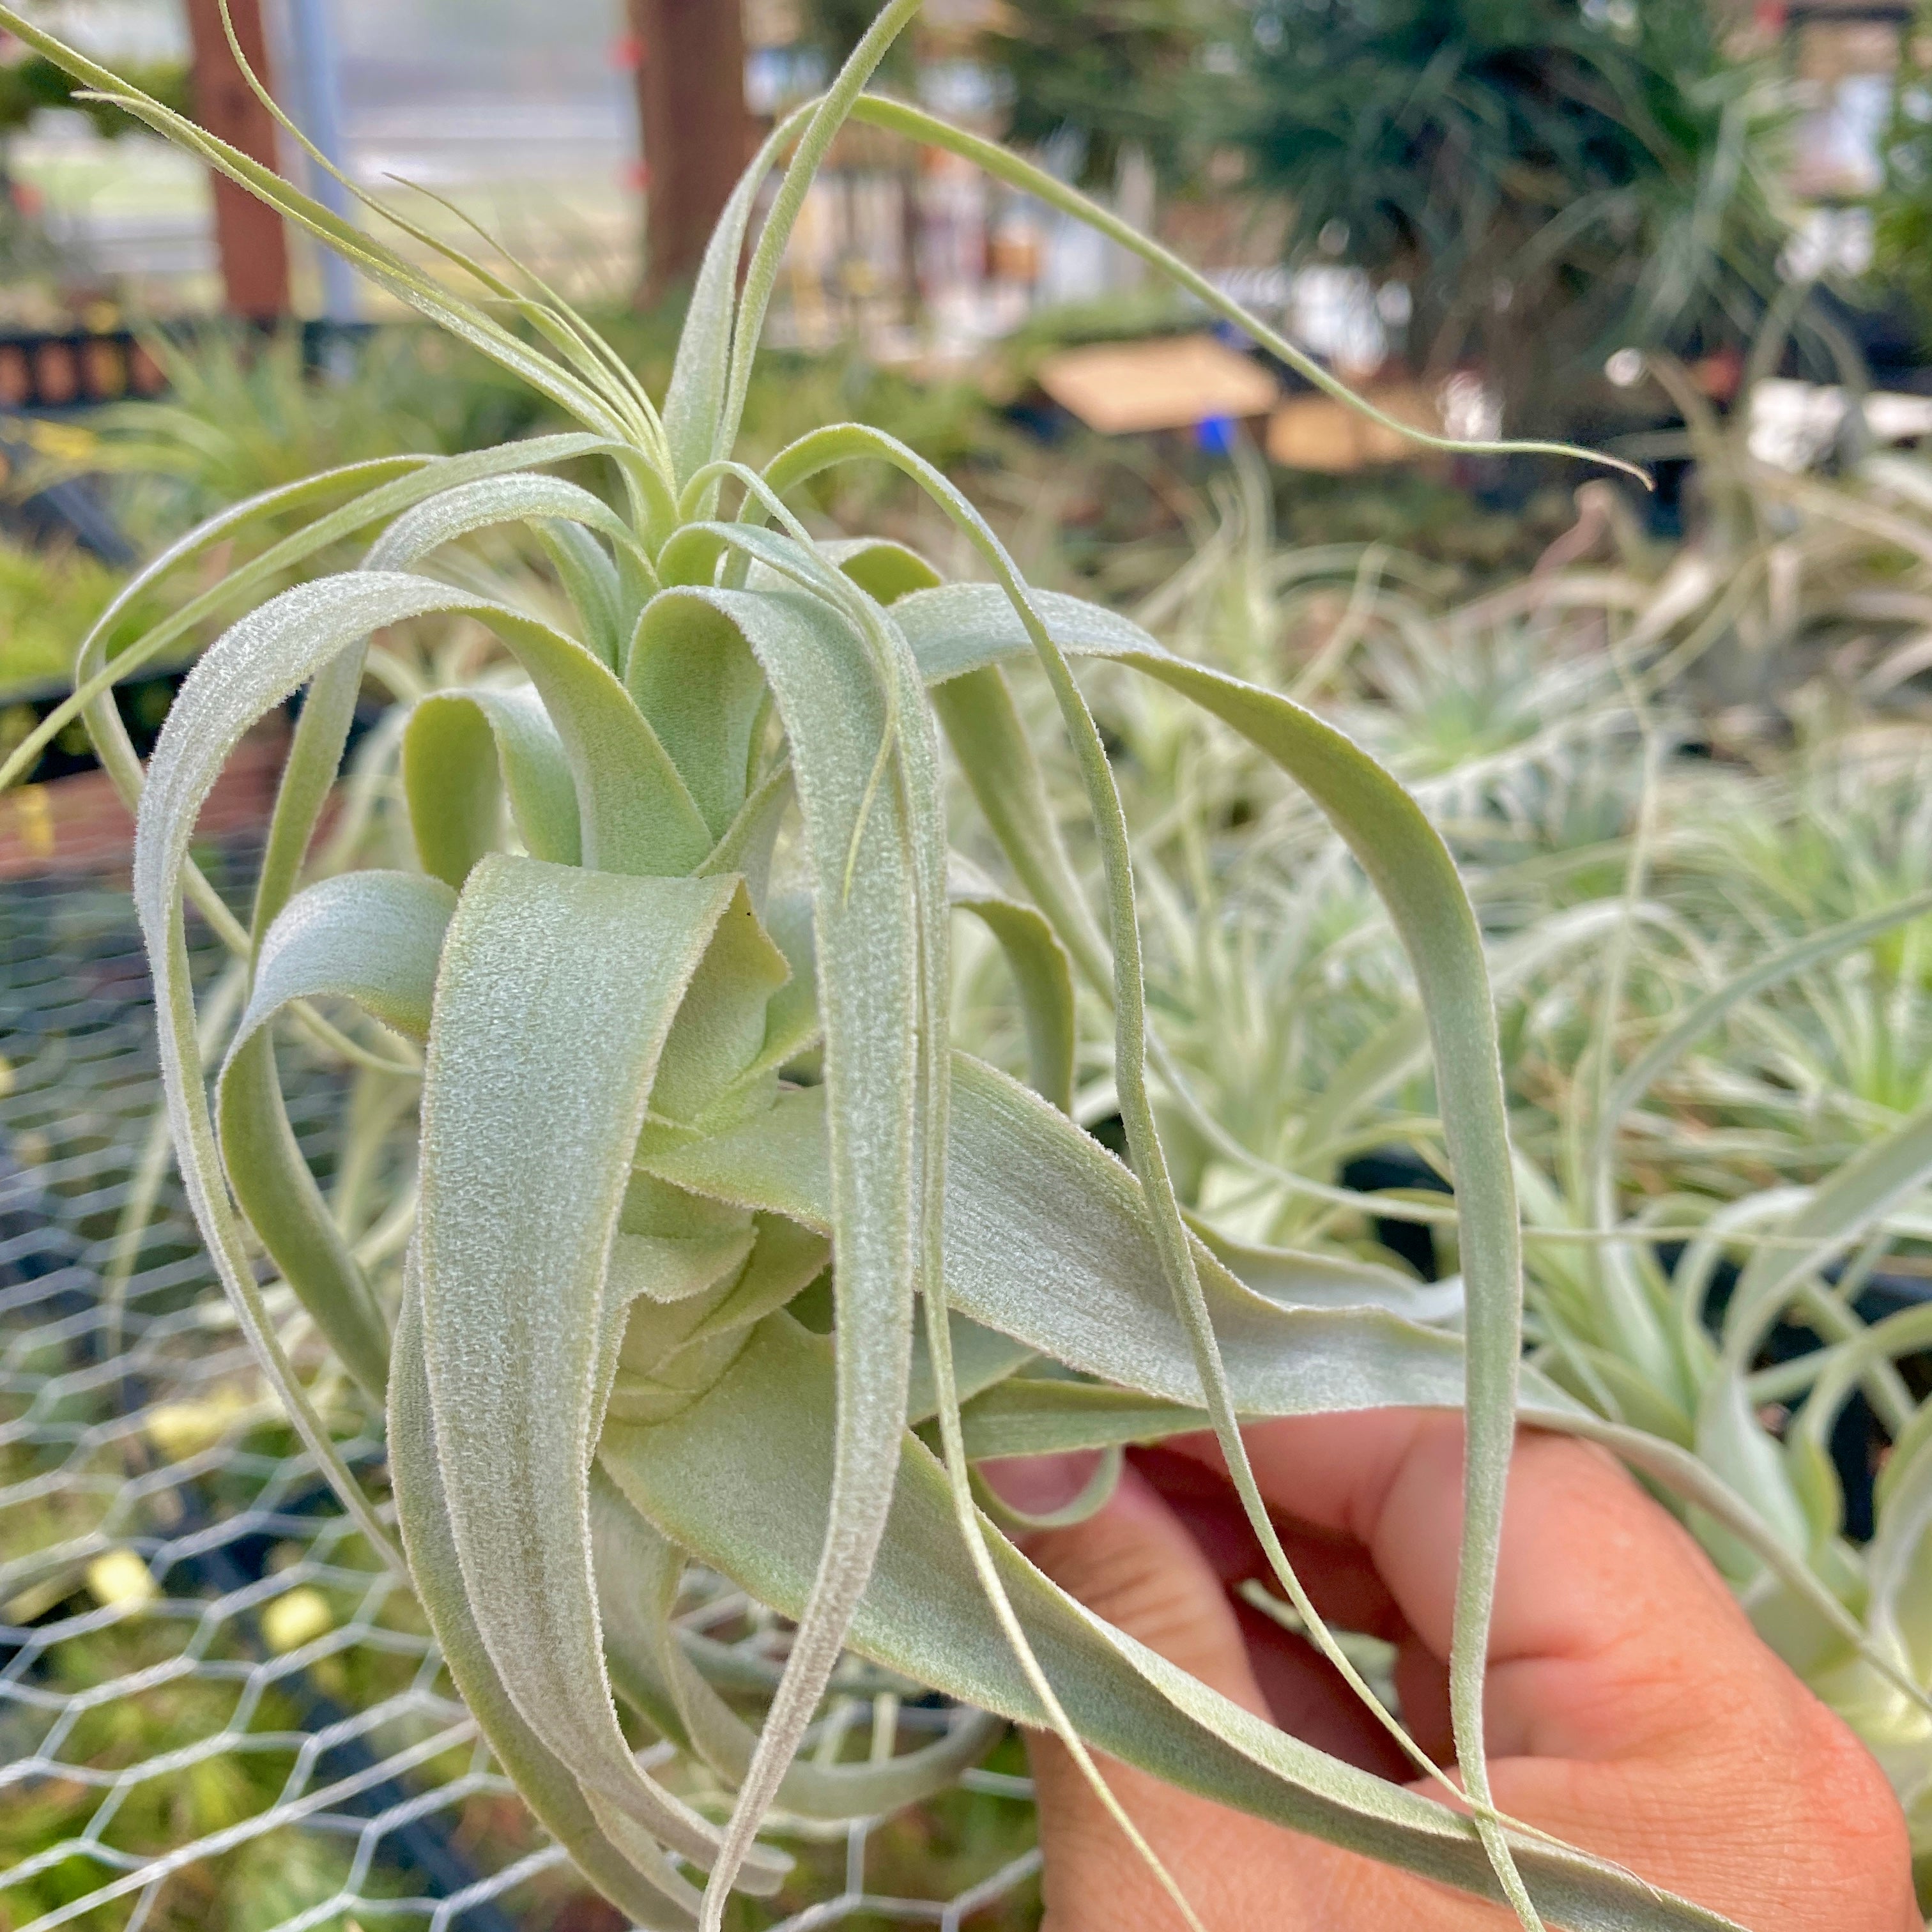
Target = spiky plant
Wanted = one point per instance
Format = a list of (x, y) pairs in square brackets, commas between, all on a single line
[(659, 1101)]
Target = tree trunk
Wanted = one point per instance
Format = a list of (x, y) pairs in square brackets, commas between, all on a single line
[(697, 134), (249, 234)]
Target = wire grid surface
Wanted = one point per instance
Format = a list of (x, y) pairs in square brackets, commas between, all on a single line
[(216, 1708)]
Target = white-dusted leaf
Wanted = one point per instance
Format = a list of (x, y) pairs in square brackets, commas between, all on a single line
[(593, 584), (465, 320), (558, 990), (884, 569), (982, 1358), (741, 1480), (639, 1570), (1048, 1241), (637, 815), (983, 726), (1006, 164), (420, 477), (693, 404), (1298, 1279), (463, 750), (631, 1871), (374, 937), (693, 677), (867, 795), (1041, 970), (962, 627), (1047, 1415), (525, 496), (271, 1179)]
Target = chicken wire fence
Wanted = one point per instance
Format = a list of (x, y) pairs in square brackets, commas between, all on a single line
[(217, 1709)]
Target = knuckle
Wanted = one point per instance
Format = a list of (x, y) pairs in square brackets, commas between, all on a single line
[(1850, 1794)]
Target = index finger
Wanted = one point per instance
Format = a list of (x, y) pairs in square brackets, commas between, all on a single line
[(1610, 1629)]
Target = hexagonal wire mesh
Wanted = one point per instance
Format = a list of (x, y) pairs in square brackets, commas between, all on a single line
[(216, 1708)]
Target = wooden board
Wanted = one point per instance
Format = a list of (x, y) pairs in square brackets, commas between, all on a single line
[(1318, 433), (1170, 382)]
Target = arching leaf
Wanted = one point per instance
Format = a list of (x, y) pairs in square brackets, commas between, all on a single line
[(876, 844), (626, 1865), (1041, 971), (557, 992), (463, 751), (963, 627), (925, 1614)]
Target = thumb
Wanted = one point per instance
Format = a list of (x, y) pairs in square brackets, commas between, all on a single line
[(1135, 1564)]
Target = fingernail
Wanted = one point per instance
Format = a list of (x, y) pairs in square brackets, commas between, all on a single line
[(1039, 1485)]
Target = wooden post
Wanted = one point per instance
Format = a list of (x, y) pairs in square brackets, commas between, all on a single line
[(249, 234), (697, 134)]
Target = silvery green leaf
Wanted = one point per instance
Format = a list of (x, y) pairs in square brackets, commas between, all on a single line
[(1041, 973), (1046, 1415), (817, 128), (463, 752), (1296, 1279), (637, 814), (529, 1114), (371, 937), (695, 678), (526, 496), (984, 728), (1004, 164), (693, 404), (742, 1479), (402, 278), (591, 582), (885, 570), (1048, 1241), (638, 1570), (631, 1871), (957, 628), (271, 1179), (876, 846), (982, 1358)]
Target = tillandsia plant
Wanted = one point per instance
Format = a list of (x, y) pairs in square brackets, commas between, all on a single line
[(1713, 985), (664, 1105)]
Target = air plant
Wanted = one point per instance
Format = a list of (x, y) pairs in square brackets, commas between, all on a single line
[(661, 1098), (1714, 1033)]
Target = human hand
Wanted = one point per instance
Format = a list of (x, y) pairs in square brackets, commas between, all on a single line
[(1631, 1709)]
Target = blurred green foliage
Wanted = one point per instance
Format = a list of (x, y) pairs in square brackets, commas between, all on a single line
[(1902, 207), (1110, 74), (1550, 181), (27, 86)]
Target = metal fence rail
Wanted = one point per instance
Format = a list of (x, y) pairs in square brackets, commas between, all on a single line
[(216, 1710)]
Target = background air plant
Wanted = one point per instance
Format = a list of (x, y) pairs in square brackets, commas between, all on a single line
[(1705, 926), (666, 973)]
